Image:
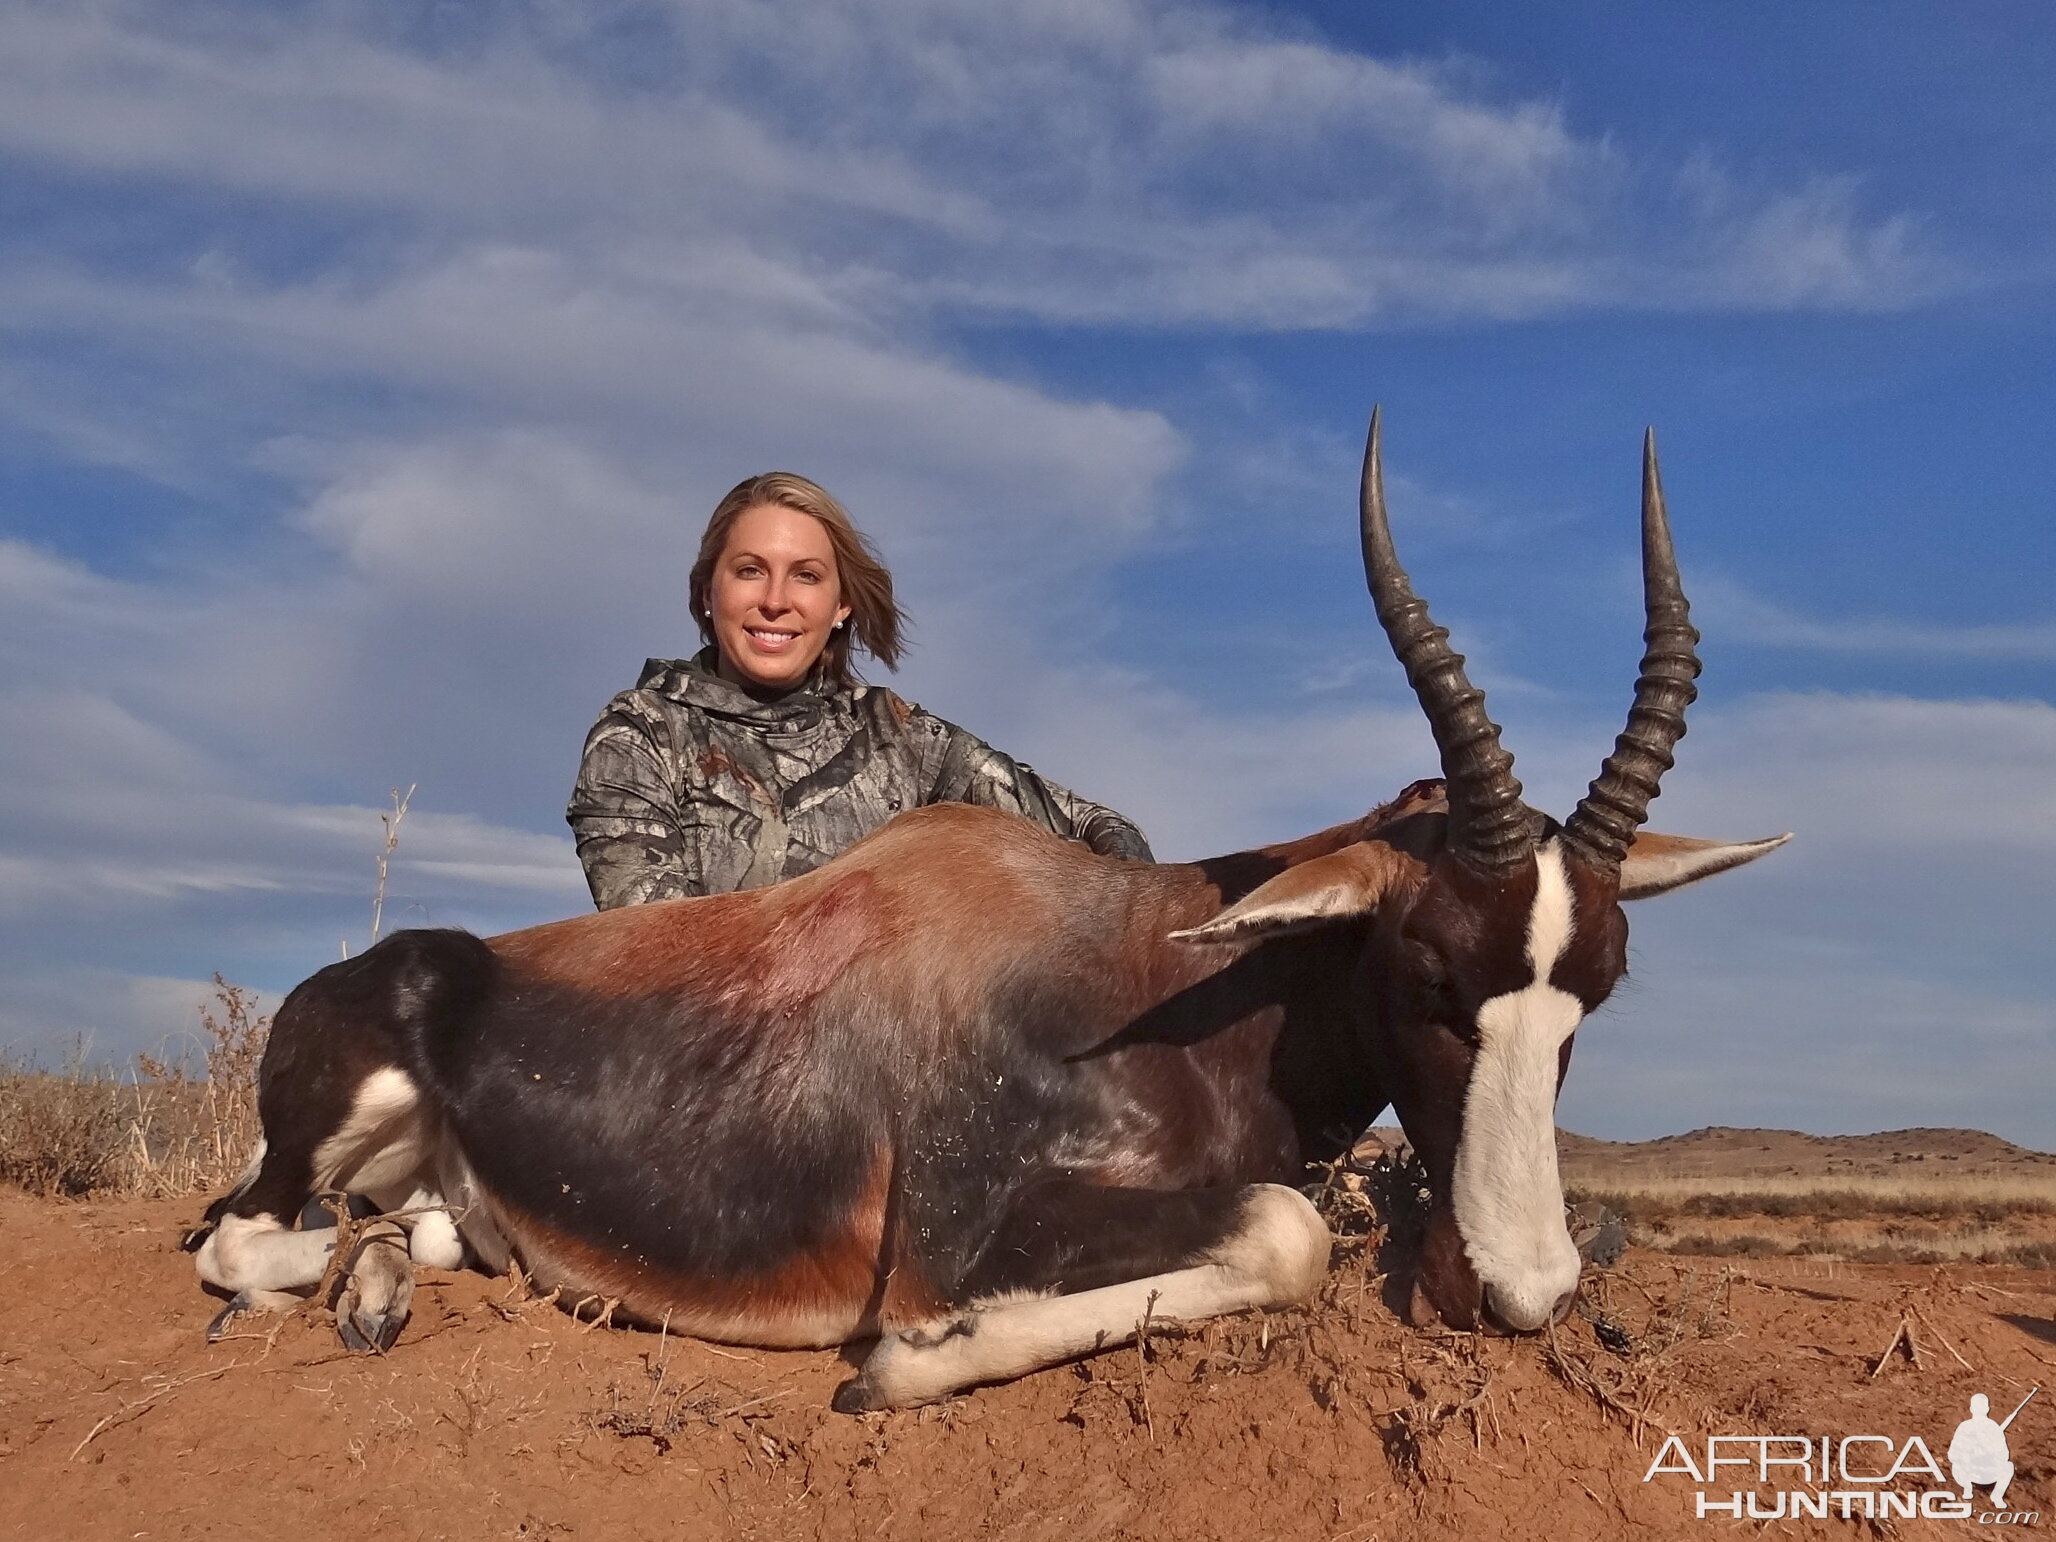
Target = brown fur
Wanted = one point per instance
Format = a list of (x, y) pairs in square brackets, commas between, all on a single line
[(845, 1289), (772, 949)]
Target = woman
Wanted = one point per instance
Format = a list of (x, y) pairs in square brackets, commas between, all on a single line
[(763, 756)]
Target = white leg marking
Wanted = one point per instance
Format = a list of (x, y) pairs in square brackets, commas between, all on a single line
[(1278, 1256), (432, 1237), (258, 1253), (1507, 1195)]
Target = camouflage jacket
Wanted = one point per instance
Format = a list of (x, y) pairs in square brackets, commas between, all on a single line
[(690, 785)]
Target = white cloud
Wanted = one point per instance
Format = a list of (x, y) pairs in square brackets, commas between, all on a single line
[(1165, 163), (1746, 617), (1896, 778), (106, 813), (658, 377), (106, 1016), (482, 521), (1828, 1051)]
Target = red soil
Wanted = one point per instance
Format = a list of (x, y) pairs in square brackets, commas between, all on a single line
[(1333, 1425)]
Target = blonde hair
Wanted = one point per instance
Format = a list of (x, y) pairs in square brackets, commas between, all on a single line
[(875, 619)]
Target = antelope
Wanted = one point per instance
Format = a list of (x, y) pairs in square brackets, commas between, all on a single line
[(984, 1096)]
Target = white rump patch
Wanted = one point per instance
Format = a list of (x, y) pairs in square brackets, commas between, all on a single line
[(382, 1148), (1507, 1195)]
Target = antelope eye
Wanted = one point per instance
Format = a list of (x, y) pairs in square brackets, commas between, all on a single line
[(1427, 965)]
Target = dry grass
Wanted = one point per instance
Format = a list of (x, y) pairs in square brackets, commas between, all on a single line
[(196, 1123), (1885, 1217), (164, 1128), (1984, 1196), (1864, 1245), (62, 1131)]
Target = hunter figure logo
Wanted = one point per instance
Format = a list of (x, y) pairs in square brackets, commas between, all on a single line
[(1978, 1453), (1874, 1477)]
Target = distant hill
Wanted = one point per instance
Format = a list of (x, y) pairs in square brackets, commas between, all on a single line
[(1723, 1151)]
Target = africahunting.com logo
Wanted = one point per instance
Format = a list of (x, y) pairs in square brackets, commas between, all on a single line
[(1872, 1477)]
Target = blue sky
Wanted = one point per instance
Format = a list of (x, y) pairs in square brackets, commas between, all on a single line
[(366, 373)]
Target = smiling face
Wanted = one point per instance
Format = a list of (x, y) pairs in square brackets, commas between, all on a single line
[(775, 597)]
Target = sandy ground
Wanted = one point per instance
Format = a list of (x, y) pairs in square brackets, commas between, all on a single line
[(1334, 1424)]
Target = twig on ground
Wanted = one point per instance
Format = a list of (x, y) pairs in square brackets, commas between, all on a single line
[(1901, 1336), (520, 1296), (1929, 1323), (1582, 1376), (1142, 1363), (135, 1410), (768, 1397), (330, 1285), (729, 1354)]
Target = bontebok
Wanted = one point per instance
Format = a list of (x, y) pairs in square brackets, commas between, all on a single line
[(978, 1092)]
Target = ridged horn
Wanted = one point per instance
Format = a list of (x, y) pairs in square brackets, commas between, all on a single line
[(1607, 817), (1490, 829)]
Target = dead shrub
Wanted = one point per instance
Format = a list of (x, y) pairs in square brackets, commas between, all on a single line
[(63, 1133), (179, 1124), (2029, 1255), (196, 1119)]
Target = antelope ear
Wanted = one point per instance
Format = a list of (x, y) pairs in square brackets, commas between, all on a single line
[(1656, 863), (1338, 887)]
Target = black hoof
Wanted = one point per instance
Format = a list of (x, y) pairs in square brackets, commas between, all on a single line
[(368, 1333), (856, 1396), (239, 1305), (317, 1214), (196, 1239)]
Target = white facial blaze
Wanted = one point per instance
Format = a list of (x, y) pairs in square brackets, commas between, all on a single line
[(1508, 1199)]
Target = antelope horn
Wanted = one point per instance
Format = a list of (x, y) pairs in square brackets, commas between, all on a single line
[(1490, 829), (1608, 816)]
